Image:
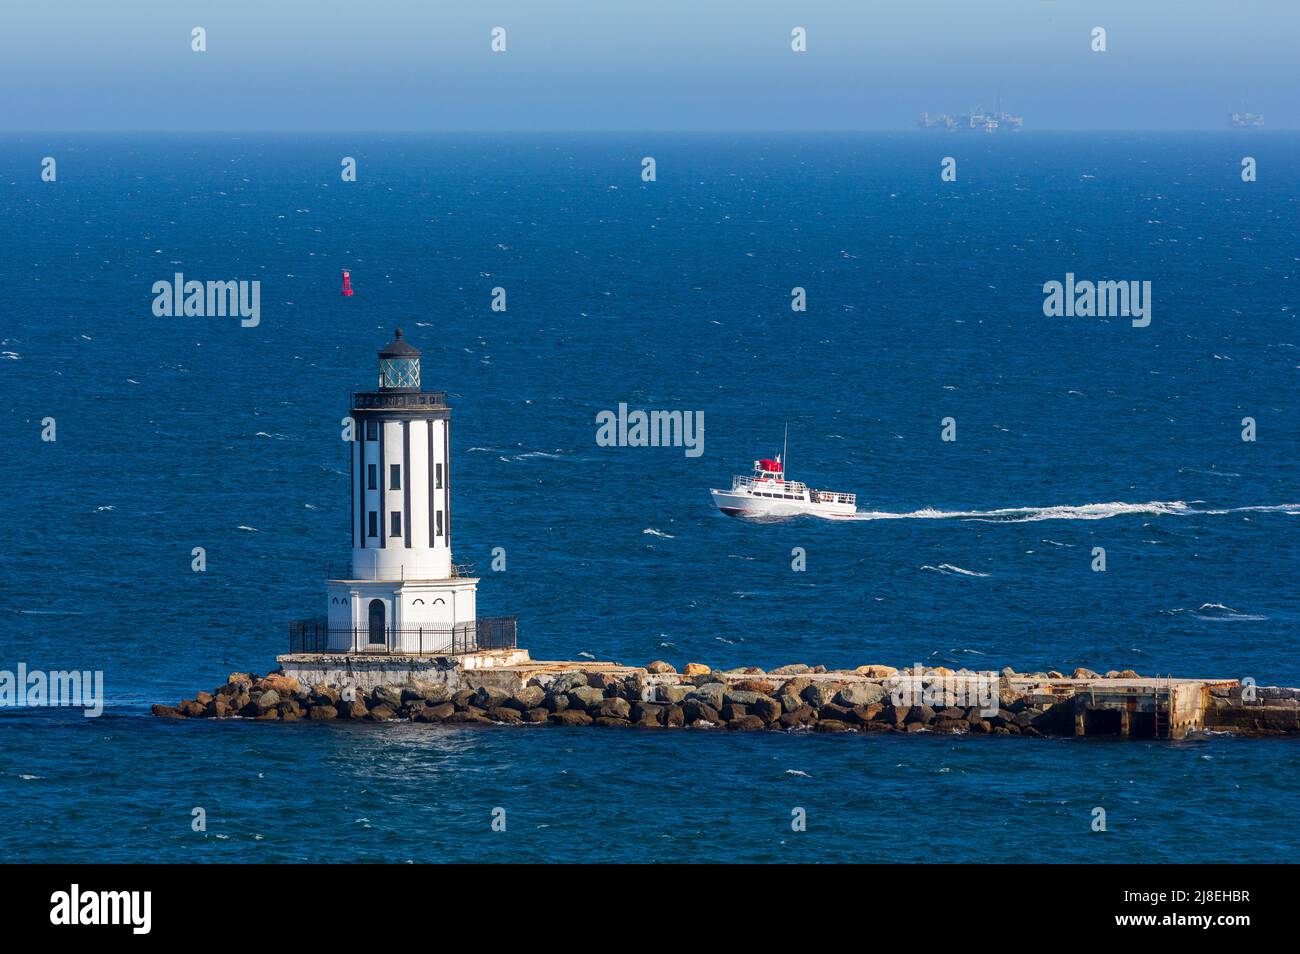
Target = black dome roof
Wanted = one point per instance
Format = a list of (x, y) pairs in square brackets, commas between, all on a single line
[(398, 348)]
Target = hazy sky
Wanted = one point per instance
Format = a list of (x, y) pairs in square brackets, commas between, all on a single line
[(658, 64)]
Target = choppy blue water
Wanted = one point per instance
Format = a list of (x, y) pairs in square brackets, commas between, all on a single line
[(924, 302)]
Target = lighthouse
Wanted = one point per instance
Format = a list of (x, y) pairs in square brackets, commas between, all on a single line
[(403, 594)]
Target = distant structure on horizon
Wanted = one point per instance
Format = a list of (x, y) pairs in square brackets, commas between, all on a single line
[(1246, 120), (978, 119)]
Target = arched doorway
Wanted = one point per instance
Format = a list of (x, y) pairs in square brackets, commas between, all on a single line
[(377, 623)]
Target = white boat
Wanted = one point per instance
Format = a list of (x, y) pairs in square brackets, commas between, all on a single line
[(766, 493)]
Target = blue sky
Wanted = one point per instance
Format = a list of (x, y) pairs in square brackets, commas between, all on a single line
[(656, 65)]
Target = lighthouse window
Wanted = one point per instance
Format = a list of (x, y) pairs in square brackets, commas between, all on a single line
[(372, 476), (374, 524), (372, 430), (394, 524), (439, 533), (437, 476), (394, 476)]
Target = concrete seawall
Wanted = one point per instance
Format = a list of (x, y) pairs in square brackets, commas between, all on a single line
[(507, 687)]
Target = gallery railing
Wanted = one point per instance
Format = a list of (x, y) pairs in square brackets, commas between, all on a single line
[(489, 632)]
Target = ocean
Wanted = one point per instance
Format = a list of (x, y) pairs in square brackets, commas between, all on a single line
[(924, 302)]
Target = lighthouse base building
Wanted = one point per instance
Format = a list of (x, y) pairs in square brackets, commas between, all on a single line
[(403, 595)]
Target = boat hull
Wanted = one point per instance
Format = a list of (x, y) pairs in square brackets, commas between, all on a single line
[(736, 504)]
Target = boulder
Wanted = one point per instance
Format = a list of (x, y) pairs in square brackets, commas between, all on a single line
[(861, 715), (218, 708), (463, 698), (270, 715), (800, 716), (570, 717), (740, 697), (647, 713), (832, 725), (437, 713), (712, 694), (1081, 673), (324, 695), (1128, 674), (795, 686), (537, 715), (267, 700), (469, 717), (605, 681), (789, 701), (192, 709), (819, 694), (289, 709), (696, 669), (567, 681), (529, 697), (356, 709), (746, 723), (320, 713), (860, 694), (920, 715), (794, 669), (434, 694), (731, 712), (556, 702), (672, 694), (674, 717), (766, 708), (762, 686), (166, 712), (382, 713), (505, 714), (659, 667), (389, 696), (584, 697), (203, 698), (244, 679), (696, 710), (284, 685), (876, 672), (490, 697), (613, 708)]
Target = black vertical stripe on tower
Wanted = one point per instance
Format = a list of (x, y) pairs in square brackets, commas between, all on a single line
[(432, 487), (406, 481), (352, 491), (446, 476), (379, 490), (361, 490)]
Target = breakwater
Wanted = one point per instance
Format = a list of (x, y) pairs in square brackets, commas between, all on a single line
[(505, 689)]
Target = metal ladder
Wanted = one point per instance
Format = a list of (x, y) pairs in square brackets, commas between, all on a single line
[(1162, 710)]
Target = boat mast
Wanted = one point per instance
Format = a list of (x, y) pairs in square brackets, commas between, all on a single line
[(785, 446)]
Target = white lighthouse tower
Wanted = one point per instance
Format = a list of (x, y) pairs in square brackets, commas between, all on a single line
[(404, 594)]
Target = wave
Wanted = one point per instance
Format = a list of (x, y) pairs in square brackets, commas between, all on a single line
[(947, 569), (1217, 613), (1098, 511), (658, 533)]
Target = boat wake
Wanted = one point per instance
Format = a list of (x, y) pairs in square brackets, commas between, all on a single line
[(1099, 511)]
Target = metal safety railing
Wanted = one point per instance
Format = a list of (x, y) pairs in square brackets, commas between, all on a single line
[(489, 632)]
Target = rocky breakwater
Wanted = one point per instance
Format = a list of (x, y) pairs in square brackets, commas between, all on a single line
[(868, 699), (788, 698)]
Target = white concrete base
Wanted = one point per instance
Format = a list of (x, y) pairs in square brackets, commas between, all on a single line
[(368, 670)]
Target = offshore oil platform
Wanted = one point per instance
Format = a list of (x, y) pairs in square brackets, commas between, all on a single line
[(979, 119)]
